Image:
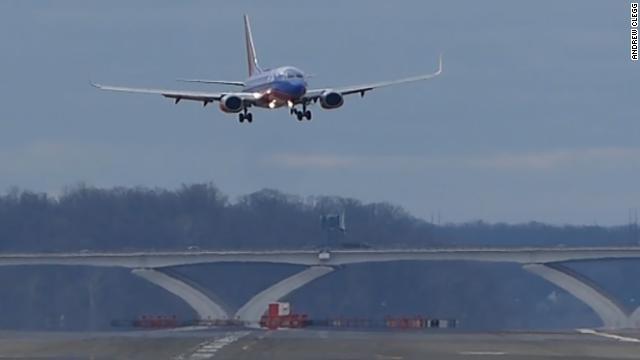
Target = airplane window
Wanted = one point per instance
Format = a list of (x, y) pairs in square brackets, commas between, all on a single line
[(294, 74)]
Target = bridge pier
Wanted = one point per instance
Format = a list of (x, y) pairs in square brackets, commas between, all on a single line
[(611, 313), (252, 311), (204, 306)]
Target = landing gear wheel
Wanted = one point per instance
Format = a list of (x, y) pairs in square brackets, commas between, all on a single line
[(249, 117), (307, 114), (300, 115), (241, 117)]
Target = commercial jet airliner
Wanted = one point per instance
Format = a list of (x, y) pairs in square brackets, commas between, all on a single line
[(269, 88)]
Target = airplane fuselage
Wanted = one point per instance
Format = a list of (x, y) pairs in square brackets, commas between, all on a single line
[(277, 87)]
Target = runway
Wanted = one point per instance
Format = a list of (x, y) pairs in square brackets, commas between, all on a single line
[(403, 345), (317, 344)]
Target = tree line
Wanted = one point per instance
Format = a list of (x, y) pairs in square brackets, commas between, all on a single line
[(200, 215)]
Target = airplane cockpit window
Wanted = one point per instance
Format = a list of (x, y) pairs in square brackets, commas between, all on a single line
[(293, 74)]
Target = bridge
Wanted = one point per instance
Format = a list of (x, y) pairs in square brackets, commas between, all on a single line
[(156, 268)]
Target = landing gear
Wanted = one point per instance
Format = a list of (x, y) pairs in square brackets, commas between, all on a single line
[(245, 116), (301, 115)]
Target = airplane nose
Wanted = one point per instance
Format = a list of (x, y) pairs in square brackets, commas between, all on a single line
[(295, 88), (300, 88)]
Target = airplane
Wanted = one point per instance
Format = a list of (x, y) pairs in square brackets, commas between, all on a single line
[(269, 88)]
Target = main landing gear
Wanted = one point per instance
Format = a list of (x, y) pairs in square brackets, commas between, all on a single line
[(301, 115), (245, 115)]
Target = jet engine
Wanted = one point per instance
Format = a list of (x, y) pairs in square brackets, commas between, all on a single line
[(231, 104), (330, 99)]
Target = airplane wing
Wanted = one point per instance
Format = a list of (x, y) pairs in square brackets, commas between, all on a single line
[(313, 94), (221, 82), (177, 95)]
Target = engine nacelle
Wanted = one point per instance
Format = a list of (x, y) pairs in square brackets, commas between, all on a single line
[(330, 99), (231, 104)]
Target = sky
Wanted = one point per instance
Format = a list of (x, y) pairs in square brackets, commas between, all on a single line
[(535, 117)]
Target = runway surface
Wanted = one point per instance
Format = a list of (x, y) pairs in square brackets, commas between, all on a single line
[(318, 344)]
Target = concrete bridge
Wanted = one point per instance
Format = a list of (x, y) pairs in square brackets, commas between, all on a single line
[(156, 268)]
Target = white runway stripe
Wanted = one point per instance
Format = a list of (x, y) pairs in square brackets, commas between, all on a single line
[(208, 349), (482, 353), (609, 336)]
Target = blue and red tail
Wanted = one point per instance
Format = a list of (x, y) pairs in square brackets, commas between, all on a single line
[(252, 61)]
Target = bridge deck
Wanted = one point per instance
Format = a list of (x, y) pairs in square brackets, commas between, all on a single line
[(142, 259)]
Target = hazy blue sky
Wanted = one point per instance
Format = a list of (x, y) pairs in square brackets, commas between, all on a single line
[(535, 118)]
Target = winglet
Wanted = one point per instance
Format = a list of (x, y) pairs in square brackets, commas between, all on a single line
[(439, 65)]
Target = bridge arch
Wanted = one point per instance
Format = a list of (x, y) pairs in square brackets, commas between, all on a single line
[(605, 306), (256, 306), (204, 306)]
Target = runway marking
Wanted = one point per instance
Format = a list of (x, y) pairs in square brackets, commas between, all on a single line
[(482, 353), (390, 357), (188, 328), (609, 336), (208, 349)]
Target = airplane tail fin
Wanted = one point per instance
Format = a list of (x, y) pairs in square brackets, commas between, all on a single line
[(252, 61)]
